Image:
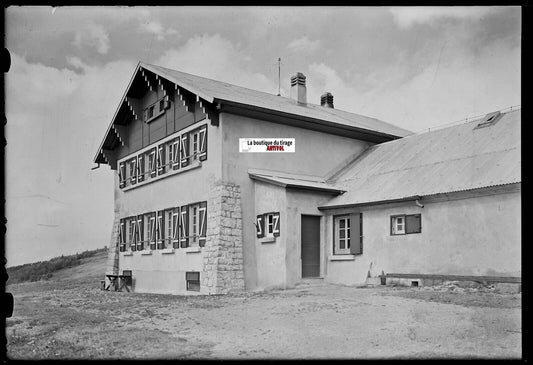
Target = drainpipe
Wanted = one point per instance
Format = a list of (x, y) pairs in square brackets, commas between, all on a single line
[(96, 167), (417, 202)]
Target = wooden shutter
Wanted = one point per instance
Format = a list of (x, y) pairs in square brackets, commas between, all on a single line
[(356, 239), (140, 230), (133, 171), (140, 167), (152, 231), (413, 223), (203, 143), (122, 175), (184, 226), (275, 217), (176, 230), (161, 159), (153, 170), (202, 211), (176, 154), (121, 235), (260, 225), (160, 229), (184, 150)]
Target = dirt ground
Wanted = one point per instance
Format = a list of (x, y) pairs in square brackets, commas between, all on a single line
[(69, 317)]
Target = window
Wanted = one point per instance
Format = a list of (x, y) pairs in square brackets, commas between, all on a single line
[(198, 141), (133, 171), (267, 225), (168, 236), (131, 224), (170, 155), (347, 235), (406, 224), (149, 233), (193, 280), (488, 120), (156, 109)]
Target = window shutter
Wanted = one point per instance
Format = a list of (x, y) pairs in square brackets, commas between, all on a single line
[(184, 226), (203, 223), (161, 159), (413, 223), (176, 154), (176, 230), (203, 143), (122, 232), (260, 226), (140, 168), (140, 230), (162, 228), (275, 217), (152, 231), (184, 151), (356, 239), (153, 167), (133, 170), (122, 175)]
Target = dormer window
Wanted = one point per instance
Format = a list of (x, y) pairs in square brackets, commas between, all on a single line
[(490, 119)]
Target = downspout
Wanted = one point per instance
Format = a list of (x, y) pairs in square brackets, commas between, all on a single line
[(417, 202)]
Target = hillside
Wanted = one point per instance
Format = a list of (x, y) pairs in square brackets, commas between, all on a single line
[(80, 265)]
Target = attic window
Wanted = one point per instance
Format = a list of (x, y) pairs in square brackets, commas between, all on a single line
[(490, 119), (156, 109)]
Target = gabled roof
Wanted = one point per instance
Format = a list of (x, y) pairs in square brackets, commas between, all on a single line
[(457, 158), (214, 91), (287, 180)]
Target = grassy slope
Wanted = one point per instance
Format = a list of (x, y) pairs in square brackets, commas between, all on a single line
[(73, 266)]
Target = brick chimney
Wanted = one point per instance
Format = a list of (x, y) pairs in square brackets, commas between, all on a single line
[(298, 89), (326, 100)]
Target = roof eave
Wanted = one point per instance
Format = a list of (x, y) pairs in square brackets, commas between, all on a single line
[(377, 202), (320, 122)]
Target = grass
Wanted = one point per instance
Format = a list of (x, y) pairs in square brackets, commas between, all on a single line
[(43, 270)]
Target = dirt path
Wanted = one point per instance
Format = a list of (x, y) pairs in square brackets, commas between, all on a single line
[(74, 319)]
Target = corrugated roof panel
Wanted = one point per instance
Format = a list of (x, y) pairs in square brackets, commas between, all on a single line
[(452, 159)]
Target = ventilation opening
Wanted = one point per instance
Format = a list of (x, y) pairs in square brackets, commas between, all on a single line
[(490, 119), (193, 280), (414, 283)]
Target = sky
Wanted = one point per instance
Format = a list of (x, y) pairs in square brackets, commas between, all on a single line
[(415, 67)]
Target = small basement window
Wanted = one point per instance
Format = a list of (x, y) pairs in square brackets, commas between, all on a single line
[(193, 280), (405, 224)]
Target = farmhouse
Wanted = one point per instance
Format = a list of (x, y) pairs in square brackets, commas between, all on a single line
[(196, 212)]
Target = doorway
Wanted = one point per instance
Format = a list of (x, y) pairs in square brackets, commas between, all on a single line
[(310, 246)]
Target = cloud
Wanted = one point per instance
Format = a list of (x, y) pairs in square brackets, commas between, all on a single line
[(303, 44), (155, 28), (215, 57), (407, 17), (53, 131), (92, 35)]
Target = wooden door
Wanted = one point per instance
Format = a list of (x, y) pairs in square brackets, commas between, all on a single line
[(310, 246)]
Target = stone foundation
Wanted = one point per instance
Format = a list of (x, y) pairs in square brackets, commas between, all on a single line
[(223, 257), (113, 248)]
